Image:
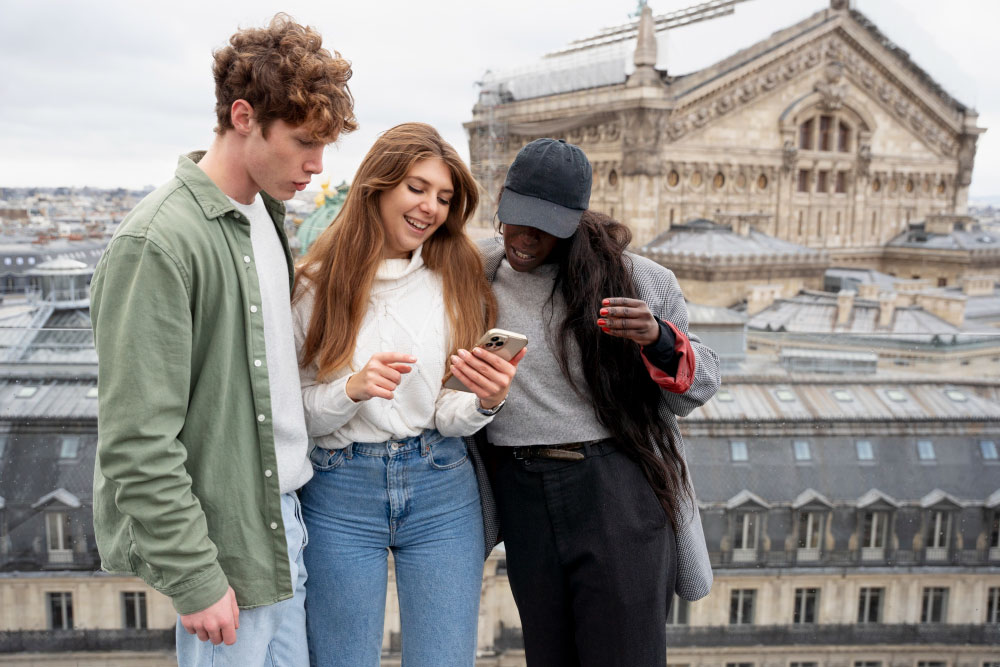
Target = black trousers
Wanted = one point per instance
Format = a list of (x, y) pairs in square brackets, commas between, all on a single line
[(591, 558)]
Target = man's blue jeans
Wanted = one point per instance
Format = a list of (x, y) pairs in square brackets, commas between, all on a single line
[(272, 636), (419, 498)]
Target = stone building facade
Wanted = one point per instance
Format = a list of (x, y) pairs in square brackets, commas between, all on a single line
[(826, 130)]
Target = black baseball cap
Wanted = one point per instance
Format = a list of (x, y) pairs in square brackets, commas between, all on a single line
[(547, 187)]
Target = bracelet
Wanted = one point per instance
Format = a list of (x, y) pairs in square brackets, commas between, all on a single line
[(488, 412)]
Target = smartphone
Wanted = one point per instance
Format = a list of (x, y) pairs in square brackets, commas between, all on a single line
[(505, 344)]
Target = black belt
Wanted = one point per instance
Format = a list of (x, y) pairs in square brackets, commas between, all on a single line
[(568, 451)]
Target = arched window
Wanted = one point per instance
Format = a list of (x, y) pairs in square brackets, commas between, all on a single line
[(826, 133)]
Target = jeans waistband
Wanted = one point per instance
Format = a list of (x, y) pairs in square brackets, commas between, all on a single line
[(420, 442)]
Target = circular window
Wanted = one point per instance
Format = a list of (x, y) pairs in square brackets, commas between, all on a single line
[(926, 185), (673, 178), (876, 185), (613, 178), (741, 181), (893, 185), (941, 188), (909, 185), (696, 179), (762, 182), (718, 181)]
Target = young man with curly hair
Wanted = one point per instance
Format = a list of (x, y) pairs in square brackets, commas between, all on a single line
[(202, 440)]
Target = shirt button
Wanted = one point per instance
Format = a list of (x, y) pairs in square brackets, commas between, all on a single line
[(267, 473), (274, 525), (246, 258), (253, 309), (260, 418), (256, 362)]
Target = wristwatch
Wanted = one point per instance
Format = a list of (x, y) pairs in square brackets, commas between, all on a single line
[(488, 412)]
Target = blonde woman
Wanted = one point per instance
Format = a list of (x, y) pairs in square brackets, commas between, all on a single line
[(388, 300)]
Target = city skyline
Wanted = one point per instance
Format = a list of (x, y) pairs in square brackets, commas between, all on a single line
[(109, 95)]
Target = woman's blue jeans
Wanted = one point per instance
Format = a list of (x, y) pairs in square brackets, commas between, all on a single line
[(419, 498)]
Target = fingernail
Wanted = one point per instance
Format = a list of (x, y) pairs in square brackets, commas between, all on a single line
[(455, 359), (606, 330), (602, 322), (606, 302), (478, 350), (463, 353), (604, 311)]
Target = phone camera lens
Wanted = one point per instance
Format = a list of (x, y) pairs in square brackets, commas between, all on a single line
[(489, 345), (495, 338), (500, 344)]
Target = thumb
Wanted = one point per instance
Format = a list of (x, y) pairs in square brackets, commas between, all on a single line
[(236, 609)]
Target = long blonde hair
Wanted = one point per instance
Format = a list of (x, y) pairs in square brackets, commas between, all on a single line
[(341, 264)]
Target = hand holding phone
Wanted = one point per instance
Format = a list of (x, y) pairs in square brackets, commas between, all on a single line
[(489, 368)]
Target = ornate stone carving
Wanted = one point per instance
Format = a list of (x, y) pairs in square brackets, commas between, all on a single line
[(789, 155), (966, 158), (832, 88), (864, 159), (641, 138)]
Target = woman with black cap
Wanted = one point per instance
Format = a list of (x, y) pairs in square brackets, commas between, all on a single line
[(596, 507)]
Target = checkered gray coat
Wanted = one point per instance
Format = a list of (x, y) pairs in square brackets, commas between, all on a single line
[(658, 287)]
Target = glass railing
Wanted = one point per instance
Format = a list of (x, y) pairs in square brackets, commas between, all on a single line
[(890, 442)]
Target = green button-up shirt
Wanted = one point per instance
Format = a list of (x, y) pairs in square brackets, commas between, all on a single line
[(184, 415)]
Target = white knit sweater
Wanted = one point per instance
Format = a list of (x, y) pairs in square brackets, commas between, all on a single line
[(405, 314)]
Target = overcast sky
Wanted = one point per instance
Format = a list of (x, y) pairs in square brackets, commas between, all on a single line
[(108, 93)]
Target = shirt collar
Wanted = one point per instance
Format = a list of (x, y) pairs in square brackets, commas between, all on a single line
[(213, 201)]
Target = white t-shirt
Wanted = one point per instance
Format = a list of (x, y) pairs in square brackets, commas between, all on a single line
[(290, 440)]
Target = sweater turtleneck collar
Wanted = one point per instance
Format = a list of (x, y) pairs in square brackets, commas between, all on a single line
[(392, 270)]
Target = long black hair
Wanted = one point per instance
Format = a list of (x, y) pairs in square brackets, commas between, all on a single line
[(592, 265)]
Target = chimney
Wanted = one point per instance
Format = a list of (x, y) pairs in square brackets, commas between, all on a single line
[(950, 308), (868, 291), (978, 285), (762, 296), (939, 224), (845, 303), (886, 310)]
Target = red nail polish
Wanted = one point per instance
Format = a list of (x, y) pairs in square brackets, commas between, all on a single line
[(605, 330), (601, 322), (606, 302), (604, 311)]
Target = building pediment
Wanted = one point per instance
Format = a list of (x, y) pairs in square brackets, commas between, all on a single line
[(747, 500), (58, 499), (877, 500), (810, 499), (940, 500), (852, 69)]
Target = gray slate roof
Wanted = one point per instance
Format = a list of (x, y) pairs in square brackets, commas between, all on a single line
[(706, 239), (816, 312), (959, 239)]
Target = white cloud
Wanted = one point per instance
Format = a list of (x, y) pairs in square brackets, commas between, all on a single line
[(108, 93)]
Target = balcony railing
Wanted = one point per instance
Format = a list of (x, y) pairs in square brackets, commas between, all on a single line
[(60, 556), (807, 555), (936, 554), (744, 555), (832, 635), (59, 641), (870, 554)]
